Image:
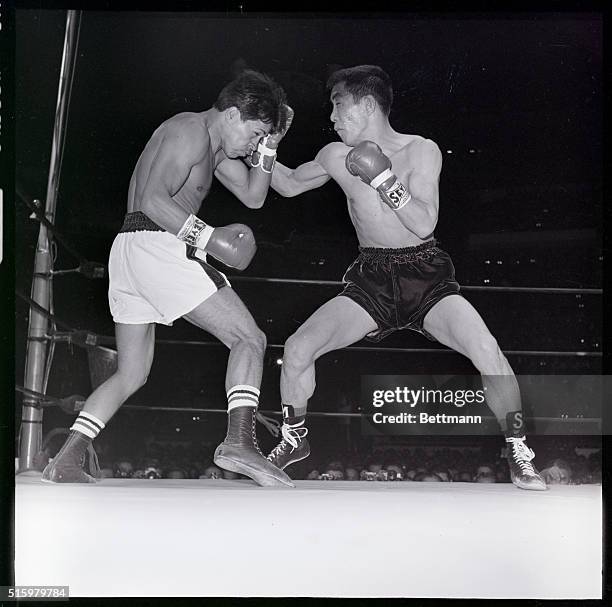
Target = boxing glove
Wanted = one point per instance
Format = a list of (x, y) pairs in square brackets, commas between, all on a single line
[(234, 245), (265, 154), (368, 162)]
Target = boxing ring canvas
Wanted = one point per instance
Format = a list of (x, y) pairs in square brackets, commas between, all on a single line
[(207, 538)]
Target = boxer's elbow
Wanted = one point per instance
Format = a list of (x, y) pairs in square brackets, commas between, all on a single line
[(426, 224), (151, 204), (286, 193), (254, 202), (423, 230)]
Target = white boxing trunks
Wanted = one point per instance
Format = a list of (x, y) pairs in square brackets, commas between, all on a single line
[(155, 277)]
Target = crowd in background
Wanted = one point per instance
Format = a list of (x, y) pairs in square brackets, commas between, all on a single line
[(559, 463)]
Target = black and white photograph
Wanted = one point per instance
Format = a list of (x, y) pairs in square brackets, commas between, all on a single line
[(305, 305)]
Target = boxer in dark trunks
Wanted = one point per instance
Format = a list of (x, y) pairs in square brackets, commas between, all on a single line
[(401, 278)]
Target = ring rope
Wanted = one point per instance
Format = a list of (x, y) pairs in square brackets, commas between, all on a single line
[(77, 401), (98, 270), (551, 290), (88, 339)]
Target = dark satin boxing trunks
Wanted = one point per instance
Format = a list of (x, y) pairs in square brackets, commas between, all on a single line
[(397, 287)]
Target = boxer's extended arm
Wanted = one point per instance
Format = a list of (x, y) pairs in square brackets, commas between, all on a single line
[(178, 152), (308, 176)]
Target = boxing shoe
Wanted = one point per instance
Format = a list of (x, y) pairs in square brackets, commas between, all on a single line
[(293, 447), (240, 452), (68, 465), (522, 472)]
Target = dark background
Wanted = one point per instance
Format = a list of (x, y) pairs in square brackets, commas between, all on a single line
[(515, 104)]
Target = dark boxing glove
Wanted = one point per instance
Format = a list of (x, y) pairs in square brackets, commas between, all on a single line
[(368, 162)]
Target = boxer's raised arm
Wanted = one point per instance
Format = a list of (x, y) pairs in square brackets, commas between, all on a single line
[(249, 185), (249, 179)]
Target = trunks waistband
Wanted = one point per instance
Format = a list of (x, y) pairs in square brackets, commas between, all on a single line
[(403, 254), (139, 222)]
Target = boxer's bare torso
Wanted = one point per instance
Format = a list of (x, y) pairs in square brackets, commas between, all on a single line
[(193, 190), (375, 223)]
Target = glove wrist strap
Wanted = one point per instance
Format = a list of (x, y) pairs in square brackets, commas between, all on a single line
[(195, 232), (380, 179), (264, 157), (396, 196)]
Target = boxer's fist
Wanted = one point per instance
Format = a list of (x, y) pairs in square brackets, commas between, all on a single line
[(273, 139), (265, 154), (368, 162), (234, 245)]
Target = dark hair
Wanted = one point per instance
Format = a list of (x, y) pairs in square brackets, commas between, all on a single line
[(257, 97), (363, 80)]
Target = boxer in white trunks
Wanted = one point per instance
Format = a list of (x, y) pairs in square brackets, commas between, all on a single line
[(158, 270)]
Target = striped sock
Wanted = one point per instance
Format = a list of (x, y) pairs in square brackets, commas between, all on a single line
[(242, 396), (88, 424)]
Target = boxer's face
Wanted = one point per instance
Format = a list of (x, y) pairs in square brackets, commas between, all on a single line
[(348, 116), (242, 136)]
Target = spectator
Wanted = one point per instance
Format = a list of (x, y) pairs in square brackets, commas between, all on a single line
[(351, 474), (428, 477), (557, 472), (175, 473), (399, 473), (123, 469), (212, 472), (485, 473), (443, 474), (411, 474)]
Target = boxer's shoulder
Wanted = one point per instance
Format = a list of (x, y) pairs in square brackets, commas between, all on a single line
[(333, 153), (186, 123), (414, 150), (414, 143), (186, 131)]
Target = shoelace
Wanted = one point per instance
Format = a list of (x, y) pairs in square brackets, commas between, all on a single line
[(254, 434), (291, 436), (522, 455), (94, 464)]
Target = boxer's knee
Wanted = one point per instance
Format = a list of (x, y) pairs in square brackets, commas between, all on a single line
[(251, 336), (132, 379), (487, 357), (298, 353)]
